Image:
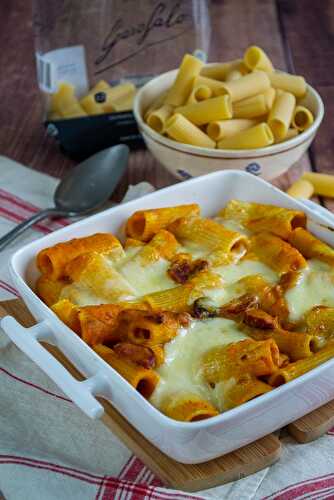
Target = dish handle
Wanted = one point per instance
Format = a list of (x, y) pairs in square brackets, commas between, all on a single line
[(28, 341)]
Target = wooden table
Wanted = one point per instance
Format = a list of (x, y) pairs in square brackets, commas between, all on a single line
[(297, 34)]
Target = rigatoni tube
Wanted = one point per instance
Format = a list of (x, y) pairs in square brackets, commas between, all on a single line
[(217, 108), (302, 118), (157, 119), (219, 71), (291, 133), (251, 107), (182, 130), (256, 58), (181, 88), (301, 189), (199, 93), (281, 114), (247, 86), (255, 137), (294, 84), (226, 128), (215, 85), (323, 183)]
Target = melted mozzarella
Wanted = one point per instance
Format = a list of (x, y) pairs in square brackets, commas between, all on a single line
[(181, 371), (231, 274), (234, 272), (147, 279), (232, 225), (314, 287), (80, 295)]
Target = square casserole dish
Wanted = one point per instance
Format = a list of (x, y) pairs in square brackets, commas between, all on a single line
[(193, 442)]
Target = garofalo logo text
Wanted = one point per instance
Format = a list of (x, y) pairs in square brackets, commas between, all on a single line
[(166, 21)]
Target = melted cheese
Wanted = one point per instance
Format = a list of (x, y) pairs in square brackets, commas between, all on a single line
[(231, 274), (232, 225), (181, 370), (147, 279), (234, 272), (314, 287)]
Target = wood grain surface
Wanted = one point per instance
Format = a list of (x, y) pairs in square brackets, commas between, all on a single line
[(298, 35)]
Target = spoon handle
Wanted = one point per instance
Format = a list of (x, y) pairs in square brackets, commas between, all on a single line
[(20, 228)]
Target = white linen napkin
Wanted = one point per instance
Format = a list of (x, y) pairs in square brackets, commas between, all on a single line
[(50, 450)]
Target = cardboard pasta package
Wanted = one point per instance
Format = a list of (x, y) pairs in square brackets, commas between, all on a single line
[(93, 55)]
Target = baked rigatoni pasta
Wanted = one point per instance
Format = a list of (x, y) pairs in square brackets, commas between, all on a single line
[(298, 368), (277, 253), (207, 233), (310, 246), (258, 217), (188, 407), (52, 261), (144, 224), (199, 315), (142, 379)]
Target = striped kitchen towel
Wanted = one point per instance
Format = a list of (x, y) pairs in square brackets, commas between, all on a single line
[(50, 450)]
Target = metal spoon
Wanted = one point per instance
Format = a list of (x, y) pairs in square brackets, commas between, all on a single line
[(85, 188)]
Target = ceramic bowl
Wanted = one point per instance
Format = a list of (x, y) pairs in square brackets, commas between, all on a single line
[(186, 161)]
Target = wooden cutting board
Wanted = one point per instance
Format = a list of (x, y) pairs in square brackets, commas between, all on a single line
[(224, 469)]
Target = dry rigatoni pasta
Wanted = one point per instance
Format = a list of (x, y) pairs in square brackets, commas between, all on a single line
[(296, 85), (323, 184), (252, 107), (219, 71), (302, 118), (281, 114), (226, 128), (200, 92), (217, 108), (256, 58), (157, 118), (247, 86), (301, 189), (181, 88), (182, 130), (242, 89), (252, 138)]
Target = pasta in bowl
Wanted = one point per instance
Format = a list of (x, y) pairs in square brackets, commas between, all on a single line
[(242, 114), (199, 315)]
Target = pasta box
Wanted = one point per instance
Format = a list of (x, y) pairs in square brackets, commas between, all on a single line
[(87, 42)]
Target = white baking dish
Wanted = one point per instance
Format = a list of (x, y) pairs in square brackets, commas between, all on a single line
[(186, 442)]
